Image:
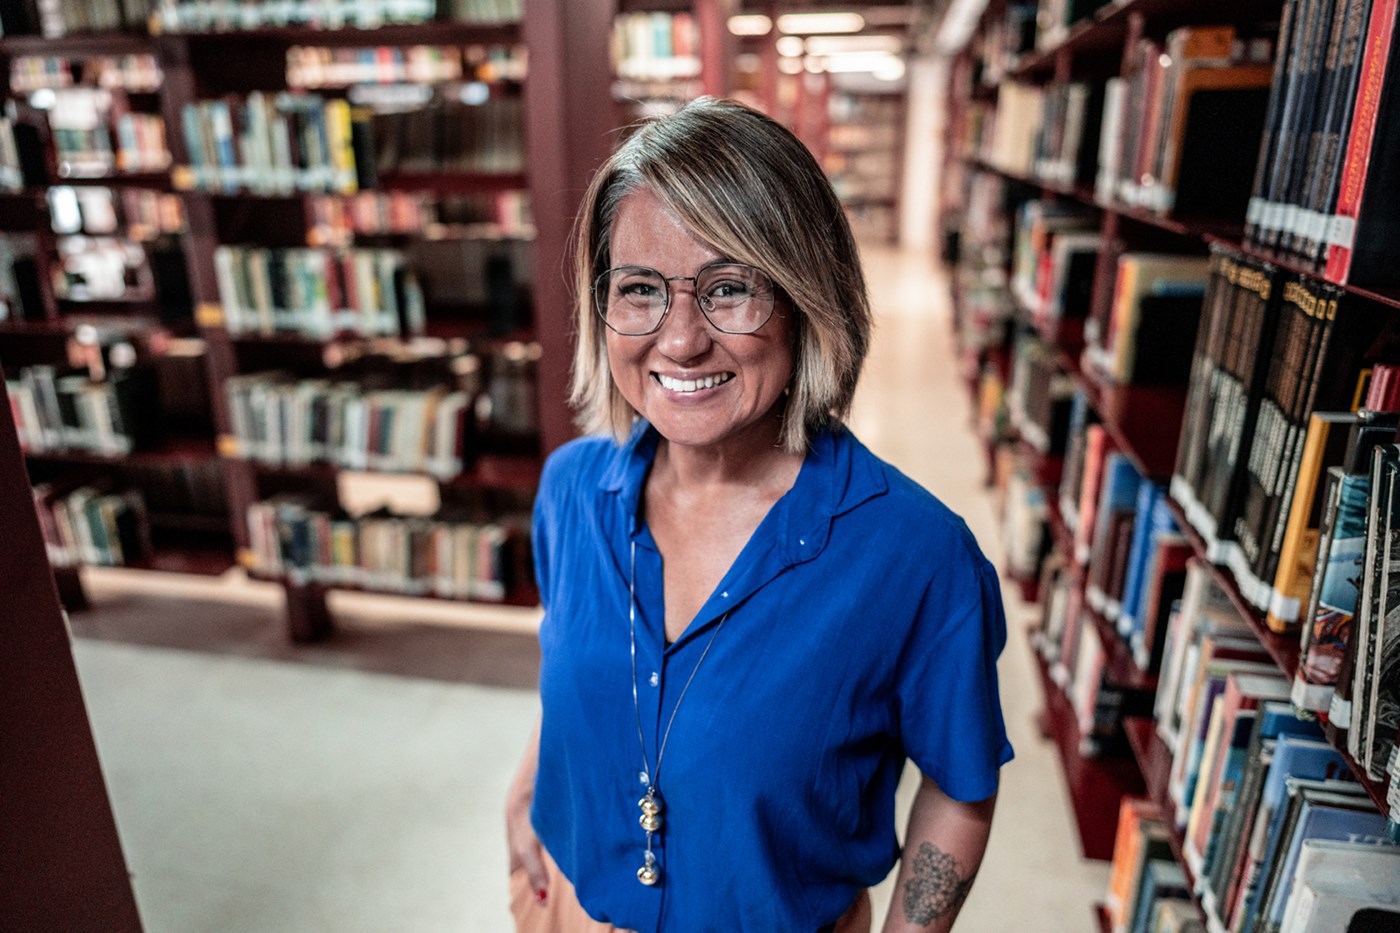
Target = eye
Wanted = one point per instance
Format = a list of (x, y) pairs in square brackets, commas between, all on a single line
[(638, 289), (729, 288)]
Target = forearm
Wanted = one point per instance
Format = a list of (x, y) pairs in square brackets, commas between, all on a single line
[(943, 849)]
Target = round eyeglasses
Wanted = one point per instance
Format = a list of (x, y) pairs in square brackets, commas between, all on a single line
[(735, 298)]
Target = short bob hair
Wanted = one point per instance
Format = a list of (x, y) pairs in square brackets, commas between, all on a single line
[(748, 189)]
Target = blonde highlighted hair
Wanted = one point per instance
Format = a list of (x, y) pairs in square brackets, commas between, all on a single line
[(751, 191)]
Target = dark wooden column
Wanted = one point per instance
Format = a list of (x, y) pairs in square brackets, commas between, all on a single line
[(60, 858), (570, 127)]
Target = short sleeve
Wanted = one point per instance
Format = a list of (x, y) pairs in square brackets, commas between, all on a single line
[(950, 706)]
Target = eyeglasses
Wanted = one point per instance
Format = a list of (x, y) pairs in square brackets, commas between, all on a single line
[(735, 298)]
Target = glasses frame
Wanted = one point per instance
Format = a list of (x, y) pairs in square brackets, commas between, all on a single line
[(700, 300)]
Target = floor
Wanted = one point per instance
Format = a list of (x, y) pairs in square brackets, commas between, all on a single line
[(357, 785)]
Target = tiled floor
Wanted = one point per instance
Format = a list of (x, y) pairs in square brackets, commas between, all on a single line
[(356, 786)]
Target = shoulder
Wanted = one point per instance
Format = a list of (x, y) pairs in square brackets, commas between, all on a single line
[(909, 516), (577, 462)]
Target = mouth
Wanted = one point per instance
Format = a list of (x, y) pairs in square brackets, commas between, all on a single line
[(691, 385)]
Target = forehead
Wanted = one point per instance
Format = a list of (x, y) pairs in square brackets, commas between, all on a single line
[(647, 232)]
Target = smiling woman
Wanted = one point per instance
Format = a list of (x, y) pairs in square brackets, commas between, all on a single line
[(750, 620)]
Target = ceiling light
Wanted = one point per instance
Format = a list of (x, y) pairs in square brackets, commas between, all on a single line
[(750, 24), (791, 47), (837, 45), (790, 66), (873, 62), (806, 24)]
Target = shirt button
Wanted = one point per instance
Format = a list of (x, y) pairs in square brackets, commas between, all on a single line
[(655, 678), (802, 541), (725, 594), (642, 777)]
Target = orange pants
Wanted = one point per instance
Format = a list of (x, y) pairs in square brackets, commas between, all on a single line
[(561, 913)]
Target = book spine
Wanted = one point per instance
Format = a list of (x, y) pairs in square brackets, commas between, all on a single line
[(1371, 85)]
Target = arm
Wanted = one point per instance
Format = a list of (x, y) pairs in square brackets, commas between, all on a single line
[(524, 846), (942, 851)]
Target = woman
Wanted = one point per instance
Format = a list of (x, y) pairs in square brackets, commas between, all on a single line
[(750, 621)]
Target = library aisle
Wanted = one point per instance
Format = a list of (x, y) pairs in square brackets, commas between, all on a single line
[(356, 785)]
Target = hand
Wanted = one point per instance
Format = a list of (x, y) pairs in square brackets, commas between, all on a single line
[(525, 849)]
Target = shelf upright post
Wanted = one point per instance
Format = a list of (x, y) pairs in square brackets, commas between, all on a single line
[(180, 88), (61, 858), (569, 132), (717, 46)]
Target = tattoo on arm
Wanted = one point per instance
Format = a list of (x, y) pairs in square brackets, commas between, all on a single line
[(935, 888)]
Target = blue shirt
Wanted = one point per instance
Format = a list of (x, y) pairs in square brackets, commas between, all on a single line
[(863, 627)]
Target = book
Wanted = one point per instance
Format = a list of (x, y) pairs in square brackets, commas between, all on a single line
[(1335, 879), (1366, 194), (1377, 681), (1324, 446)]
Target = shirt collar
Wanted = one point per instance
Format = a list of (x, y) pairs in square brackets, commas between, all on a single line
[(837, 475)]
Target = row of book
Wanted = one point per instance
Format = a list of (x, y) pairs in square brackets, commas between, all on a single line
[(315, 67), (92, 525), (338, 220), (1350, 651), (318, 292), (217, 16), (1272, 350), (1320, 187), (655, 46), (131, 213), (95, 134), (54, 18), (1253, 777), (483, 134), (280, 421), (447, 555), (57, 409), (285, 142), (278, 143), (135, 73)]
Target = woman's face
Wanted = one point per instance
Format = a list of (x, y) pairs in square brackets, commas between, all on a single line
[(749, 371)]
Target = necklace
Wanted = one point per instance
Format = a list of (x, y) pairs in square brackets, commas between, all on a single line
[(651, 805)]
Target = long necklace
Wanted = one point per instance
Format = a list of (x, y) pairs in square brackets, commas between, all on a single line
[(651, 805)]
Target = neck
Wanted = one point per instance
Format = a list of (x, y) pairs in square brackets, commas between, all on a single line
[(755, 459)]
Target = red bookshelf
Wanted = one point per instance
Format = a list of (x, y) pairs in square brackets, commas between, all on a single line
[(1090, 781)]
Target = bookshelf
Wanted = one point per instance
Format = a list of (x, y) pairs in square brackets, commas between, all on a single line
[(1013, 191), (474, 290), (72, 872)]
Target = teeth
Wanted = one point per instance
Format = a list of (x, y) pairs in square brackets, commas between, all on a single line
[(691, 385)]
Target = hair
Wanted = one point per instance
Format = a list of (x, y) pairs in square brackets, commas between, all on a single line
[(750, 190)]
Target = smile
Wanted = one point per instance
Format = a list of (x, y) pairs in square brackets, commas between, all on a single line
[(692, 385)]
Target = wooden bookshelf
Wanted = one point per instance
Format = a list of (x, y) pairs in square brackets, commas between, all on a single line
[(567, 77), (1143, 422)]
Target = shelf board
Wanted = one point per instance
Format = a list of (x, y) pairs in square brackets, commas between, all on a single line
[(1092, 782), (201, 562), (433, 32), (178, 452), (452, 182), (491, 471), (90, 43), (518, 596)]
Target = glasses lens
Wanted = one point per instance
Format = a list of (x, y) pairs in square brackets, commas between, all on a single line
[(738, 299), (631, 300)]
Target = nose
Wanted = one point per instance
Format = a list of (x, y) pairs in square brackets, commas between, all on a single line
[(685, 333)]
